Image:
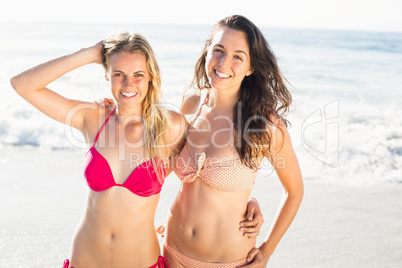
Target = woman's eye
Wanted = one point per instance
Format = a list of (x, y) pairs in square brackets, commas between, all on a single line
[(138, 75), (118, 74), (238, 58), (218, 50)]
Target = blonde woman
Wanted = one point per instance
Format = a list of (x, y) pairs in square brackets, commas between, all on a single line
[(124, 166)]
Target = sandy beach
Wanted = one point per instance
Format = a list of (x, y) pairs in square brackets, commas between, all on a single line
[(43, 195)]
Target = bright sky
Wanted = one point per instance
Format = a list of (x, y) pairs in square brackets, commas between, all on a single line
[(374, 15)]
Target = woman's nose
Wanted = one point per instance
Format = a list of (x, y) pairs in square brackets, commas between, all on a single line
[(224, 60), (128, 82)]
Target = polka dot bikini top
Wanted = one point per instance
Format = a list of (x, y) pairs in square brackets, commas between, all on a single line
[(226, 176)]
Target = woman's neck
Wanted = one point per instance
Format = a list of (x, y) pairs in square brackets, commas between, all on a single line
[(222, 101), (127, 115)]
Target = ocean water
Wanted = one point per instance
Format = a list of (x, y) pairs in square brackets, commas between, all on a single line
[(347, 87)]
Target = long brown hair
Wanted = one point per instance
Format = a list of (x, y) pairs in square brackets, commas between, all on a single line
[(263, 94)]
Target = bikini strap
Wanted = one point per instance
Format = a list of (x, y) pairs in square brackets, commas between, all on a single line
[(107, 119), (199, 110), (187, 130)]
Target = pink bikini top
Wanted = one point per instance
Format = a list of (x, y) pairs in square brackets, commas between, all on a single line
[(142, 181)]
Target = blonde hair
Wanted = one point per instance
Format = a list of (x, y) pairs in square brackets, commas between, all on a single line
[(156, 117)]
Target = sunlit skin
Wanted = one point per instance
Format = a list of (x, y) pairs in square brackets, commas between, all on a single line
[(228, 60), (202, 222), (129, 79), (117, 228), (227, 63)]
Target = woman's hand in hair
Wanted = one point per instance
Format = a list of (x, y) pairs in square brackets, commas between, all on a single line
[(97, 50)]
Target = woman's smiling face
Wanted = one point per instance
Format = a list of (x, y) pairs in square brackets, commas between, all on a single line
[(228, 59), (129, 78)]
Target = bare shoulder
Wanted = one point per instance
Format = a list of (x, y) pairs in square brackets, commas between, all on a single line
[(191, 101), (179, 122), (276, 123), (278, 132), (192, 93), (94, 115), (176, 133), (90, 111)]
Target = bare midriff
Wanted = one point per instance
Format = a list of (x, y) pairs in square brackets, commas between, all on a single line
[(203, 223), (117, 230)]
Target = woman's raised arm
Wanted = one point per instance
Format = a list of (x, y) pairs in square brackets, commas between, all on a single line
[(32, 84)]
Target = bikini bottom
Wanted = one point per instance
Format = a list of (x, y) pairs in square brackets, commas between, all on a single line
[(189, 262), (161, 263)]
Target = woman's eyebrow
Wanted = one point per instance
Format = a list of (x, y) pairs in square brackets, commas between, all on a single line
[(237, 51)]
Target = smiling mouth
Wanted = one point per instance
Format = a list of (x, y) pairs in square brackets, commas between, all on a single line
[(129, 95), (221, 75)]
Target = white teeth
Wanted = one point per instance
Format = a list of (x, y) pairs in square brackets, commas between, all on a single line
[(222, 75), (129, 94)]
